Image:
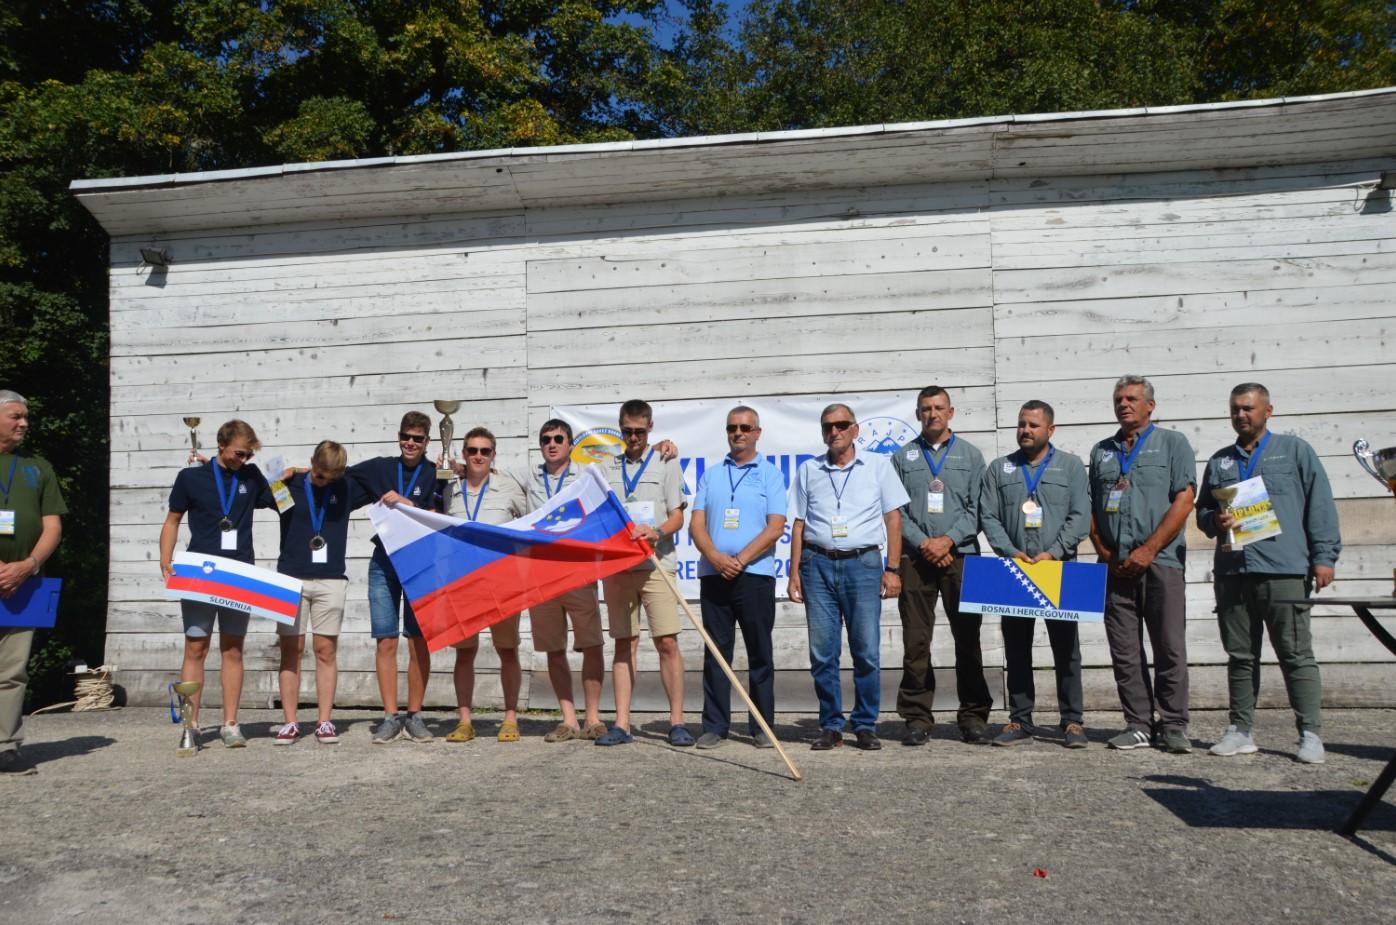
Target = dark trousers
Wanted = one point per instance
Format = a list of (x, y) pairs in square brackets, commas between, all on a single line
[(1247, 611), (749, 601), (1153, 601), (922, 585), (1066, 654)]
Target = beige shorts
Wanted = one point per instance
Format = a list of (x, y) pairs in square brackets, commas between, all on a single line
[(504, 635), (549, 621), (626, 591), (322, 608)]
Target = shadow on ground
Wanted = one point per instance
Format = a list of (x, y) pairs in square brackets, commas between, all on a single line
[(1201, 804)]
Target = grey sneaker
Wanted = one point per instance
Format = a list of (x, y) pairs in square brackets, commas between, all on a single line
[(1310, 748), (417, 728), (711, 740), (232, 736), (1014, 734), (761, 740), (1234, 742), (390, 728), (1130, 738), (1175, 741)]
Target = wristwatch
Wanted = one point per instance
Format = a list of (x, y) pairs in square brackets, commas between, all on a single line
[(894, 570)]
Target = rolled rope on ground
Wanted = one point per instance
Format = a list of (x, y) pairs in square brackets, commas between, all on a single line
[(93, 690)]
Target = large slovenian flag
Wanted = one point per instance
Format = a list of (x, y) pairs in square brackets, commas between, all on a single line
[(462, 577), (234, 585)]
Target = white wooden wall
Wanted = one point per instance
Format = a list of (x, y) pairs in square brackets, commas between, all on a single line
[(1002, 291)]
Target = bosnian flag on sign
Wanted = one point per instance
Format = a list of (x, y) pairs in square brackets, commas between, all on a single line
[(1049, 589), (462, 577), (235, 585)]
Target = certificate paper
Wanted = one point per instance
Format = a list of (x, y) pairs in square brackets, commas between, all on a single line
[(1254, 513)]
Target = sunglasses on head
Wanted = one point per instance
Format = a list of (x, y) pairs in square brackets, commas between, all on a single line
[(634, 431), (479, 451), (840, 426), (552, 438), (411, 438), (744, 428)]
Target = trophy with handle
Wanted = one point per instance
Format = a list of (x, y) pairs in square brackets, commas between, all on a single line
[(1225, 495), (189, 735), (448, 430), (1381, 464), (193, 424)]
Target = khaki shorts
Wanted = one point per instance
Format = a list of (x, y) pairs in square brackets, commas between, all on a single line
[(322, 608), (625, 593), (549, 621), (504, 635)]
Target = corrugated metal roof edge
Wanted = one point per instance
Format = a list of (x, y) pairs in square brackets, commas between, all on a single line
[(115, 184)]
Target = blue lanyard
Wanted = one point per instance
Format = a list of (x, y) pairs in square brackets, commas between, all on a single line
[(547, 487), (1127, 462), (317, 519), (1248, 465), (479, 500), (225, 504), (840, 489), (632, 484), (1030, 481), (746, 470), (10, 482), (415, 472), (930, 463)]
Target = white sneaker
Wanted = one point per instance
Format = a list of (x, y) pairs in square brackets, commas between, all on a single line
[(1234, 742), (1310, 748), (232, 736)]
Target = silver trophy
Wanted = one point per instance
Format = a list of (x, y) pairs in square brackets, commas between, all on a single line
[(1225, 495), (448, 430), (189, 735), (193, 423), (1380, 463)]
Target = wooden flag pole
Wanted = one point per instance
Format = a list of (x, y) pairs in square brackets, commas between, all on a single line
[(726, 668)]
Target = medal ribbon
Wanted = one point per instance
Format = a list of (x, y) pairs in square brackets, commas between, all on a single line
[(9, 482), (226, 505), (317, 519), (930, 463), (1247, 466), (632, 484), (1030, 481), (415, 472), (479, 500), (1127, 462), (746, 470), (547, 487)]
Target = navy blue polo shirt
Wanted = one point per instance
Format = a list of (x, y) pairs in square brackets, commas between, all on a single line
[(376, 477), (195, 493), (333, 502)]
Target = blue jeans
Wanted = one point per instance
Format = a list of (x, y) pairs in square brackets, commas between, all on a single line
[(838, 593), (385, 599)]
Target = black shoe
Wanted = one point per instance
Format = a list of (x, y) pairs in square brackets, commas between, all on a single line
[(917, 735), (868, 740), (12, 762), (828, 738), (976, 733)]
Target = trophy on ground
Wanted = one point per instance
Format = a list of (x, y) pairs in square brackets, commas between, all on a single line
[(193, 424), (189, 735), (448, 430), (1381, 464), (1225, 495)]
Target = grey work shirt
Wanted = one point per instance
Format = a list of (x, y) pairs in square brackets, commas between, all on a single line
[(962, 472), (1062, 493), (1303, 502), (504, 500), (1164, 467), (660, 484), (539, 485)]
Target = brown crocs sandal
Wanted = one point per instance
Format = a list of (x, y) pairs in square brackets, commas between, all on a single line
[(594, 731), (463, 732), (508, 731), (563, 733)]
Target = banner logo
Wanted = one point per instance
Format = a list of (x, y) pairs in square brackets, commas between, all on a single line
[(884, 435), (598, 445)]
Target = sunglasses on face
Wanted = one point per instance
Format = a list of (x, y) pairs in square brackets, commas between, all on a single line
[(552, 438), (634, 431), (412, 438), (744, 428), (479, 451), (840, 426)]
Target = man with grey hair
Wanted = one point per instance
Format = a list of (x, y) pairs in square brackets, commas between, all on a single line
[(31, 509), (1143, 485)]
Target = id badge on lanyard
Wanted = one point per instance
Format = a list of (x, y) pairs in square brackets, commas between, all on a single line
[(839, 526), (731, 518), (7, 523), (935, 502)]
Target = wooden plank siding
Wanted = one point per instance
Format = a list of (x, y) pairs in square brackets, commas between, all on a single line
[(1045, 281)]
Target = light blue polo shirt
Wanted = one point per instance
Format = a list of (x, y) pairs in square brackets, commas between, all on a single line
[(757, 490), (861, 493)]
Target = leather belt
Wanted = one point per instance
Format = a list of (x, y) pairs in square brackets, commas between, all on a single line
[(840, 553)]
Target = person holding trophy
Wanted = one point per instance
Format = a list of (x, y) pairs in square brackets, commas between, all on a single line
[(1278, 542), (219, 496)]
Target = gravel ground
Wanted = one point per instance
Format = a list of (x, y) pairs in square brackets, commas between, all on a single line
[(115, 827)]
